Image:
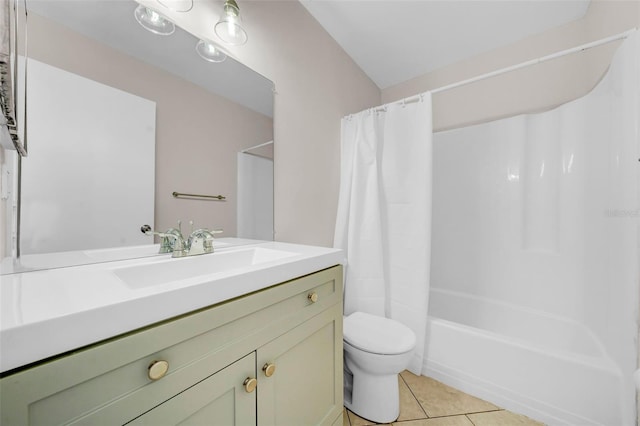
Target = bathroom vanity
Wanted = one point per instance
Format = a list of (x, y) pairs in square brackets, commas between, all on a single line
[(256, 343)]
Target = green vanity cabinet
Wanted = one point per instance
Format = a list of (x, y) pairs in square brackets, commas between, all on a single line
[(219, 399), (301, 390), (215, 359)]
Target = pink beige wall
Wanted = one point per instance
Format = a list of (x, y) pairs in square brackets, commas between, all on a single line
[(195, 147), (534, 88), (317, 83)]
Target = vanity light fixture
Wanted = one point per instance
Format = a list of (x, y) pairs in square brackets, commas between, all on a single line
[(229, 27), (210, 52), (153, 21)]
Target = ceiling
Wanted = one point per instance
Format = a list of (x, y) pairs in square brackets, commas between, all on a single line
[(396, 40), (112, 23), (391, 40)]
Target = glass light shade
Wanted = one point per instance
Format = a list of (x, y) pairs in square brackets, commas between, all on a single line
[(209, 52), (177, 5), (153, 21), (229, 27)]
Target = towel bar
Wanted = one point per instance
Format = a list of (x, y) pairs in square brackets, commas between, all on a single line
[(208, 197)]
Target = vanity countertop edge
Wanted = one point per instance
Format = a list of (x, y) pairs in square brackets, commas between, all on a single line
[(47, 313)]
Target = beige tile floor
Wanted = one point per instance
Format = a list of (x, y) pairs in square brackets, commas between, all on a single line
[(427, 402)]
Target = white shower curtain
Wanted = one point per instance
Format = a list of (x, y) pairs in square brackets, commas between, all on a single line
[(384, 214)]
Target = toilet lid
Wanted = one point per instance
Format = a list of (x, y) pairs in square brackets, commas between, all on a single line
[(374, 334)]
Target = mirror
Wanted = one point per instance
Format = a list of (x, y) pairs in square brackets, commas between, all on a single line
[(13, 25), (120, 119)]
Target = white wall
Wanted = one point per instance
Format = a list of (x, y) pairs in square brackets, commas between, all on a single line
[(317, 83)]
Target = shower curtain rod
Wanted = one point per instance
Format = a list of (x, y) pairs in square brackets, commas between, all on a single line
[(244, 151), (504, 70)]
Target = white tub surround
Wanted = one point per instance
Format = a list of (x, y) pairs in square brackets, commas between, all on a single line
[(535, 269), (547, 367), (45, 313)]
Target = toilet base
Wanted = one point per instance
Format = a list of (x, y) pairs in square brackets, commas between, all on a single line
[(375, 398)]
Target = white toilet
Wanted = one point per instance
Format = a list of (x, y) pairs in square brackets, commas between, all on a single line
[(376, 349)]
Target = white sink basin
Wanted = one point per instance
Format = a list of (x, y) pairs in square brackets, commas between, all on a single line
[(133, 252), (181, 269)]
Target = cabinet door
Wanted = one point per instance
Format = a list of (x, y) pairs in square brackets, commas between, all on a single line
[(306, 386), (220, 399)]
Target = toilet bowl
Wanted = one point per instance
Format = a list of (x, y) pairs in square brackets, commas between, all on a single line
[(376, 349)]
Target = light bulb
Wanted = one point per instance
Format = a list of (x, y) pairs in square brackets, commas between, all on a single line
[(153, 21), (229, 27), (210, 52)]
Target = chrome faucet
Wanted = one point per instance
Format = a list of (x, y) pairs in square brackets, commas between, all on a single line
[(200, 241), (172, 240), (169, 238)]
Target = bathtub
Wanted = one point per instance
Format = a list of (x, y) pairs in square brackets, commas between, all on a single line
[(549, 368)]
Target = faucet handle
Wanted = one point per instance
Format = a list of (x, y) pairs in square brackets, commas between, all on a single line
[(172, 240), (171, 232), (200, 242)]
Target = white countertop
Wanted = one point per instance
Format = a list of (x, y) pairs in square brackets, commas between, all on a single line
[(48, 312)]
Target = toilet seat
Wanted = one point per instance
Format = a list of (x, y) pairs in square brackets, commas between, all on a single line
[(378, 335)]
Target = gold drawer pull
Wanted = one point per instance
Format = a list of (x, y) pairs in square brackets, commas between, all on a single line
[(313, 297), (269, 369), (250, 384), (158, 369)]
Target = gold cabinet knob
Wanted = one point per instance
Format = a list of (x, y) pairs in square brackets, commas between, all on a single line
[(313, 297), (269, 369), (250, 384), (158, 369)]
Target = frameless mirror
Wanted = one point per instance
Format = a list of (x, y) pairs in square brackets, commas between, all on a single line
[(128, 128), (12, 31)]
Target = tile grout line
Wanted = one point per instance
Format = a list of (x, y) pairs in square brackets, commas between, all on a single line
[(486, 411), (468, 418), (466, 414), (414, 397)]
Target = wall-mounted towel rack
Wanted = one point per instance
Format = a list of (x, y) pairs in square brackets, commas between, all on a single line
[(206, 197)]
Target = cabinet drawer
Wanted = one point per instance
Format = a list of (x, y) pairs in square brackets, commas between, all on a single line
[(112, 377), (221, 396)]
